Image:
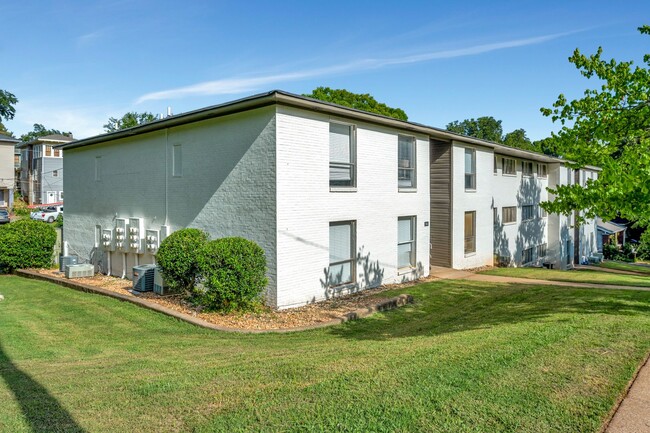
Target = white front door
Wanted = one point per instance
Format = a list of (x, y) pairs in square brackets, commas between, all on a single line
[(51, 197)]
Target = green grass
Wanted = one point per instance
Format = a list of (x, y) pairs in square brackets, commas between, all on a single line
[(581, 276), (466, 357), (622, 266)]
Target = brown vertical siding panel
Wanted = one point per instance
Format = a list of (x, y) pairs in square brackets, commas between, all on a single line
[(441, 203)]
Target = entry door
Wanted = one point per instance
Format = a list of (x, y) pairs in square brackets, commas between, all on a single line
[(51, 197)]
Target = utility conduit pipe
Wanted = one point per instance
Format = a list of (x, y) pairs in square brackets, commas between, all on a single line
[(123, 265)]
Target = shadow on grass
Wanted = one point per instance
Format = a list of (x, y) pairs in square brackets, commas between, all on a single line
[(42, 412), (457, 306)]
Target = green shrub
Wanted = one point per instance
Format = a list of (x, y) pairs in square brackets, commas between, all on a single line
[(177, 258), (233, 271), (58, 223), (26, 244), (20, 207), (610, 251), (643, 249)]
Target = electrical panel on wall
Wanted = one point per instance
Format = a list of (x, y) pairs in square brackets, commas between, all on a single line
[(121, 243), (152, 241), (108, 241), (136, 232)]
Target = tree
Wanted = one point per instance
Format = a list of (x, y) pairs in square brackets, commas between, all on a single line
[(485, 128), (609, 127), (40, 131), (7, 102), (129, 120), (5, 131), (359, 101), (518, 138)]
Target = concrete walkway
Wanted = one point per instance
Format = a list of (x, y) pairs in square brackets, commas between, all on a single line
[(633, 413)]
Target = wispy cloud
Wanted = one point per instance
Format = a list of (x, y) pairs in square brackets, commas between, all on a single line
[(246, 84), (90, 38)]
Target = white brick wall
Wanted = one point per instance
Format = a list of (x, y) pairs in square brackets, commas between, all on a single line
[(306, 206)]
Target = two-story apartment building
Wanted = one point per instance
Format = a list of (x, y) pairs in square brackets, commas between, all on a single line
[(339, 199), (41, 172), (7, 170)]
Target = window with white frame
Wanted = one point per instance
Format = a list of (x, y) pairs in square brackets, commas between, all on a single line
[(542, 170), (527, 212), (470, 169), (526, 168), (342, 155), (509, 214), (55, 173), (541, 251), (342, 253), (527, 256), (494, 168), (406, 242), (508, 166), (406, 161), (470, 232), (48, 150), (38, 151), (495, 215)]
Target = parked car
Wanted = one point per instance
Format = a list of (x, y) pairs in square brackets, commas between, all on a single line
[(49, 214), (4, 216)]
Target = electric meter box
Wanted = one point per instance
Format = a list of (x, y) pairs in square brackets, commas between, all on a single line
[(152, 241), (120, 235), (135, 236), (108, 240)]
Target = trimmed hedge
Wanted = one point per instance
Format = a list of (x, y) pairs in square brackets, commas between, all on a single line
[(177, 258), (26, 244), (233, 271)]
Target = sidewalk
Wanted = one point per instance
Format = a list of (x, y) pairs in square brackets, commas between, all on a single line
[(633, 413)]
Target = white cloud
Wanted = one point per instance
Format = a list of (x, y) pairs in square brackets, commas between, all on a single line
[(246, 84)]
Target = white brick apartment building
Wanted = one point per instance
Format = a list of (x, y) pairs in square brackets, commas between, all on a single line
[(339, 199)]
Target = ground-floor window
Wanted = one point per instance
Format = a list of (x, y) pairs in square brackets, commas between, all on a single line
[(342, 253), (527, 256), (541, 251), (406, 242), (470, 232)]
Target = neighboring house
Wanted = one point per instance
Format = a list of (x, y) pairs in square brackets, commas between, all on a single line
[(610, 232), (7, 171), (339, 199), (41, 172)]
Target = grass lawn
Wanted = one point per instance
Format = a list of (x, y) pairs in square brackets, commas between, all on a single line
[(466, 357), (581, 276), (622, 266)]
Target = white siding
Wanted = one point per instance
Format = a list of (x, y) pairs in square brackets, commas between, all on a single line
[(306, 206)]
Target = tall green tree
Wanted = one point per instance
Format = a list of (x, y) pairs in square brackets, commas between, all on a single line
[(129, 120), (359, 101), (7, 102), (40, 131), (608, 127), (5, 131), (518, 138), (485, 128)]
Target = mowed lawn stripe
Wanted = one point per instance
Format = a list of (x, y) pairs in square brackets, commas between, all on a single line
[(466, 357)]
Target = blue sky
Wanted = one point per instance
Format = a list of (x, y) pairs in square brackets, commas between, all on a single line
[(74, 64)]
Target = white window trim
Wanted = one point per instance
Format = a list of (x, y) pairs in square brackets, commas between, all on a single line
[(413, 242), (503, 165), (474, 173), (414, 186), (352, 259), (353, 158), (503, 220)]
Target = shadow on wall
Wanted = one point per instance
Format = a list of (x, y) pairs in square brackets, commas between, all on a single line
[(501, 243), (371, 273), (566, 246), (530, 233), (41, 410)]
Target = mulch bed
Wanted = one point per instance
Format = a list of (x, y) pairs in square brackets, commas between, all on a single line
[(266, 319)]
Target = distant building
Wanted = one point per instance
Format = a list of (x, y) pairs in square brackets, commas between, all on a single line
[(41, 171), (7, 170)]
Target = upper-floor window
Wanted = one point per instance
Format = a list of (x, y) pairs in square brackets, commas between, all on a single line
[(527, 212), (342, 155), (406, 161), (38, 151), (470, 169), (542, 170), (57, 152), (48, 150), (494, 167), (509, 214), (526, 168), (509, 166)]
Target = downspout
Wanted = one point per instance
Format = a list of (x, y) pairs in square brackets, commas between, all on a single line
[(166, 174), (123, 266), (108, 274)]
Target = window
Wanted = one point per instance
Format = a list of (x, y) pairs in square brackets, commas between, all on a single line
[(527, 168), (509, 214), (406, 242), (470, 232), (569, 176), (495, 215), (509, 166), (494, 169), (542, 170), (470, 169), (177, 161), (342, 172), (55, 173), (527, 256), (48, 150), (527, 212), (342, 252), (406, 161), (57, 152), (37, 151), (541, 251), (60, 195)]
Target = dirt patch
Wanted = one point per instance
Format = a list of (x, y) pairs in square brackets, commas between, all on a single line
[(312, 314)]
